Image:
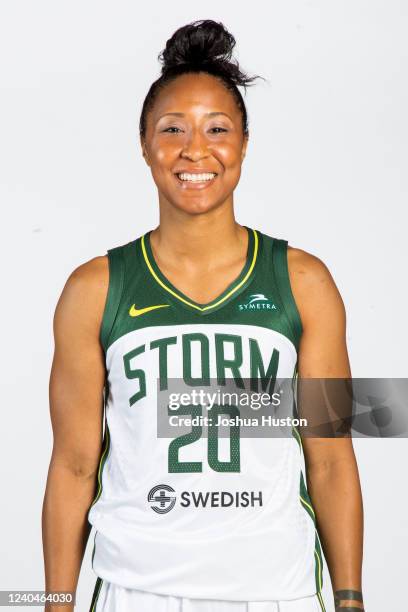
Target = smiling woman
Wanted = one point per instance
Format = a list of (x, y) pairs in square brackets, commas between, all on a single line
[(199, 297), (195, 155), (194, 124)]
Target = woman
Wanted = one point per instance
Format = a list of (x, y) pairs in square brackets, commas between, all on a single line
[(200, 297)]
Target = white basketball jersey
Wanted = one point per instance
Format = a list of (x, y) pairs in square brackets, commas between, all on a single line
[(197, 514)]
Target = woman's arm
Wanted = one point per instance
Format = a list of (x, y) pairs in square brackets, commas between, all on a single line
[(332, 473), (76, 408)]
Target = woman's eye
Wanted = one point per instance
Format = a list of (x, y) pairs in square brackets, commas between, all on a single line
[(172, 127)]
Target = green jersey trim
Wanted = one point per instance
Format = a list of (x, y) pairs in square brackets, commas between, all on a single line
[(252, 255), (307, 505), (115, 290), (282, 278), (320, 598), (102, 460), (95, 596)]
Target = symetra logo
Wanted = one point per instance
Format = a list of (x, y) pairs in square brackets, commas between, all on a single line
[(162, 499), (257, 301)]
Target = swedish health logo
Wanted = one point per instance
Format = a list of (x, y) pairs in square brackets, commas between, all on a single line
[(257, 301)]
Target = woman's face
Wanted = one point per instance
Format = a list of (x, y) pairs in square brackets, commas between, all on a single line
[(195, 128)]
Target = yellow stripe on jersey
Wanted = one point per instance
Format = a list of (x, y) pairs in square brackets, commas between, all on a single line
[(225, 297)]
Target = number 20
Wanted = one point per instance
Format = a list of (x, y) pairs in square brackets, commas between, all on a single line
[(233, 465)]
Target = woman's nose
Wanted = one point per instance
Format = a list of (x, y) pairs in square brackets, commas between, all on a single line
[(195, 147)]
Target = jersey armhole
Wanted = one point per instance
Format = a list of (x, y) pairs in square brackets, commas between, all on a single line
[(114, 295), (281, 270)]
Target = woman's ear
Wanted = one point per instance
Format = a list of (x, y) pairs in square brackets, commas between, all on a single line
[(144, 151), (244, 147)]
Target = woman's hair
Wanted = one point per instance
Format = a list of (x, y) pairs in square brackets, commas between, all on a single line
[(201, 46)]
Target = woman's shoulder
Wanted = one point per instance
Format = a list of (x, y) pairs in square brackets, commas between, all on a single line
[(87, 285), (90, 277), (305, 265), (82, 300), (313, 285)]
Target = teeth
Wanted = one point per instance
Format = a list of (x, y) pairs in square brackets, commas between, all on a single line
[(205, 176)]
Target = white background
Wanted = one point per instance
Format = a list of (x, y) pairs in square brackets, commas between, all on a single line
[(326, 169)]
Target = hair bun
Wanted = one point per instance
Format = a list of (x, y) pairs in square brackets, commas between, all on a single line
[(200, 46), (199, 43)]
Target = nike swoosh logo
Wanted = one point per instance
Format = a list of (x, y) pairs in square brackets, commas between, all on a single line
[(136, 312)]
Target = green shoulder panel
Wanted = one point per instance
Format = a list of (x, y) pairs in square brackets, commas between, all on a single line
[(282, 280), (115, 291)]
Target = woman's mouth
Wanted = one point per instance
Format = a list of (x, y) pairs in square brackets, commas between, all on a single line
[(196, 180)]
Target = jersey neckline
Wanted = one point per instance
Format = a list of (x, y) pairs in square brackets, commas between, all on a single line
[(230, 292)]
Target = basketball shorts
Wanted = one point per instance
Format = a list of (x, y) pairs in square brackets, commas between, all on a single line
[(108, 597)]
